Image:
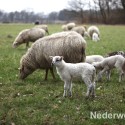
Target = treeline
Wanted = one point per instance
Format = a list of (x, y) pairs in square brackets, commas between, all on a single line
[(100, 11)]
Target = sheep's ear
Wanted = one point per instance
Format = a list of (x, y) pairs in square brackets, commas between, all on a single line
[(51, 57)]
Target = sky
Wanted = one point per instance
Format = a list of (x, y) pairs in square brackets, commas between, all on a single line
[(37, 6)]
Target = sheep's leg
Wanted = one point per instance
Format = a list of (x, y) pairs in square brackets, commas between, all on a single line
[(52, 73), (120, 73), (67, 89), (70, 89), (90, 87), (93, 89), (27, 44), (102, 72), (46, 74), (108, 73)]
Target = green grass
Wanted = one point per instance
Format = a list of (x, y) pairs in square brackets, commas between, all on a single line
[(38, 102)]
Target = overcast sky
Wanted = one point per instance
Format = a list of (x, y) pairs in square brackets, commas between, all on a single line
[(37, 6)]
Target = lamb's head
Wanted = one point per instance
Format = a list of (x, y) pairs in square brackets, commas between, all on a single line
[(25, 69), (97, 65), (57, 60), (95, 37)]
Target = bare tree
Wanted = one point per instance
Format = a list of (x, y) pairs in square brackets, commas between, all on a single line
[(78, 5), (105, 7)]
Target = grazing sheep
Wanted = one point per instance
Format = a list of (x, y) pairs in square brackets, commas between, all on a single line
[(93, 29), (28, 35), (44, 27), (79, 29), (109, 63), (93, 58), (70, 71), (71, 45), (116, 53), (68, 26)]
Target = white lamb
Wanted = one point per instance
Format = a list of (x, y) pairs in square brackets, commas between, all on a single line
[(95, 37), (93, 58), (70, 71), (109, 63)]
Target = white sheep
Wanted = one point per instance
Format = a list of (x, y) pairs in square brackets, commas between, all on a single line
[(79, 29), (68, 26), (44, 27), (28, 35), (109, 63), (70, 71), (93, 58), (94, 30)]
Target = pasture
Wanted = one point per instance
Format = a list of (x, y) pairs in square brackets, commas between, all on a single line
[(38, 102)]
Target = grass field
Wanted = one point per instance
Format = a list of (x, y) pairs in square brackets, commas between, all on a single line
[(38, 102)]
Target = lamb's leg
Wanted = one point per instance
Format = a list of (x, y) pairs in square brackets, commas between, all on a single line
[(67, 89), (70, 89), (108, 73), (121, 73), (102, 72), (52, 73), (90, 87)]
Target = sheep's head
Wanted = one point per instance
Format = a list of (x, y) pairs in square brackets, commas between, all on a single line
[(56, 60), (19, 40), (24, 71), (25, 68)]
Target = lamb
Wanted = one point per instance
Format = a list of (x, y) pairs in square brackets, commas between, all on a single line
[(94, 30), (109, 63), (68, 26), (79, 29), (70, 71), (28, 35), (93, 58), (44, 27), (95, 37), (71, 45)]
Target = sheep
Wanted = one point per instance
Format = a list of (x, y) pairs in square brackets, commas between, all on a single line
[(71, 71), (94, 30), (71, 45), (68, 26), (109, 63), (28, 35), (116, 53), (93, 58), (79, 29), (44, 27)]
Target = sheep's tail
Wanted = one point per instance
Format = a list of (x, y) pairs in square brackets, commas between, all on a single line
[(83, 55), (123, 67)]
